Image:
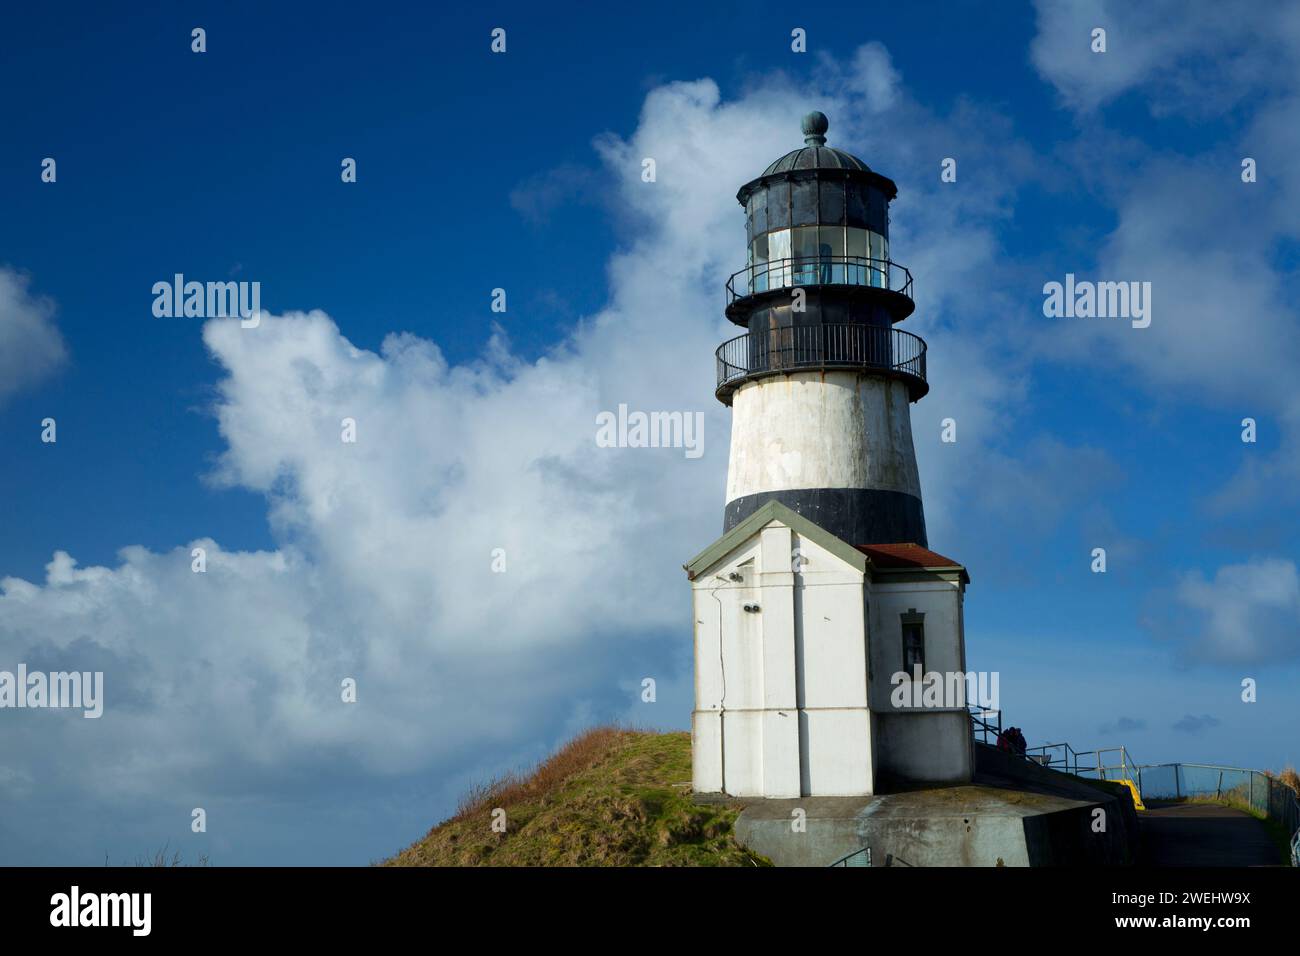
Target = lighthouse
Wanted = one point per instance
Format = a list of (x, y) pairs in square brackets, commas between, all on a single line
[(821, 380), (822, 598)]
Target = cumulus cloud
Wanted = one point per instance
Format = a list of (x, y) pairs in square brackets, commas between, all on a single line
[(1223, 327), (1200, 60), (1224, 323), (1248, 613), (1225, 331), (870, 74), (31, 347)]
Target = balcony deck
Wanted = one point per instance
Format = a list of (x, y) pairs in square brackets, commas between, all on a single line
[(798, 348), (778, 275)]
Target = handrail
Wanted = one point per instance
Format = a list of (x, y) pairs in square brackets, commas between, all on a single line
[(1065, 758), (1274, 799), (784, 273), (860, 857), (1060, 756), (823, 346), (980, 725)]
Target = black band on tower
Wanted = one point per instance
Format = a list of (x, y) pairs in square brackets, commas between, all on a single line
[(854, 515)]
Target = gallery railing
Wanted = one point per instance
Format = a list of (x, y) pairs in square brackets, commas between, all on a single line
[(797, 347), (819, 270)]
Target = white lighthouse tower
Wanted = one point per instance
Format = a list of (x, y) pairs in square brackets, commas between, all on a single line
[(822, 600)]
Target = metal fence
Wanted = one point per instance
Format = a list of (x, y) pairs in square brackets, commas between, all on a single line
[(1108, 763), (1169, 781), (1256, 789)]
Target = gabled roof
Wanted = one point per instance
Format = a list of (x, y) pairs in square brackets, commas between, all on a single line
[(908, 556), (884, 557), (903, 556), (769, 511)]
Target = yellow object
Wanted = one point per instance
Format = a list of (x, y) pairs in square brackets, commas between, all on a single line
[(1137, 797)]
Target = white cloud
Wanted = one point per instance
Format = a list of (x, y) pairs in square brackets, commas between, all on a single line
[(1198, 59), (1225, 334), (1223, 327), (31, 347), (1248, 613), (871, 75), (1218, 252)]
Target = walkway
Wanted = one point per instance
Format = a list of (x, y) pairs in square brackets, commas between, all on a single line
[(1204, 834)]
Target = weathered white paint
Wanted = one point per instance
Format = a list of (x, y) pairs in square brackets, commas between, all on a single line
[(838, 429), (788, 697), (923, 744), (941, 603)]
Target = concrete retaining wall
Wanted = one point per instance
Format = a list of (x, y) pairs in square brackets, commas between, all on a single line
[(1015, 814)]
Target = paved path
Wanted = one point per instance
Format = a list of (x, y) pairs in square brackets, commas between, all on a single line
[(1204, 834)]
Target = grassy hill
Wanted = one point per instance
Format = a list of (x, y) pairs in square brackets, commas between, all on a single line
[(610, 797)]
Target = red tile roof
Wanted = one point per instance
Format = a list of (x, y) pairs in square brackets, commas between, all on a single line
[(905, 555)]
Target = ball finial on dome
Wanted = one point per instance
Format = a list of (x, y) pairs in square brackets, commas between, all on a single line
[(815, 125)]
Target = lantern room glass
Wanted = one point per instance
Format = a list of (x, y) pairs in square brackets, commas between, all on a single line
[(807, 255)]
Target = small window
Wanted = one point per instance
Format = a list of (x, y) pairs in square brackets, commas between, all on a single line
[(803, 202), (804, 251), (778, 254), (758, 264), (913, 642), (832, 203), (879, 260), (857, 214), (857, 250), (758, 211), (831, 240), (778, 206)]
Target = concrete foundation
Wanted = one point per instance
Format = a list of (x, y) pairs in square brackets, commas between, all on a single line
[(1015, 814)]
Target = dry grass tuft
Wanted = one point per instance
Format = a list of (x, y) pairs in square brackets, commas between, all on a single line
[(161, 860), (609, 797), (1290, 778), (581, 752)]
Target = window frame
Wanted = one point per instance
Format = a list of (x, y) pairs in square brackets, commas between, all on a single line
[(912, 622)]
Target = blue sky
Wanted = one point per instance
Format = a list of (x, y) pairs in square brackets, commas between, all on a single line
[(522, 171)]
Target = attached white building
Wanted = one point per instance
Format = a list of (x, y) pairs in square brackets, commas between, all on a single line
[(799, 638)]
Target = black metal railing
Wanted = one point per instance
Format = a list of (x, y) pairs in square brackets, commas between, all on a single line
[(982, 721), (794, 347), (860, 857), (819, 270)]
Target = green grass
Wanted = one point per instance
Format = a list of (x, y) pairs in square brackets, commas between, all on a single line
[(610, 797)]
